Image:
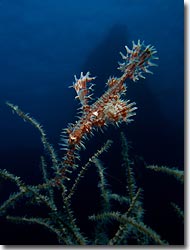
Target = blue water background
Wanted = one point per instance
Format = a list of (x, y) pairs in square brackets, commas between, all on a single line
[(43, 44)]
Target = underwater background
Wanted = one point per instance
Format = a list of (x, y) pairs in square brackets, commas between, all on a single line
[(43, 44)]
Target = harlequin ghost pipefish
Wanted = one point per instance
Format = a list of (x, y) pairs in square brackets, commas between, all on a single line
[(110, 108)]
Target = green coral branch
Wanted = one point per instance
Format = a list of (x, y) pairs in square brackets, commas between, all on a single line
[(24, 190), (134, 202), (13, 178), (44, 169), (47, 146), (178, 211), (14, 197), (178, 174), (123, 229), (62, 225), (42, 198), (72, 226), (101, 235), (140, 226), (131, 184), (103, 149), (50, 190), (11, 201), (121, 199), (103, 185), (43, 222), (28, 192)]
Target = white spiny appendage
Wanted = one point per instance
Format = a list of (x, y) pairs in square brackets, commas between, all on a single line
[(117, 111), (137, 60), (81, 88)]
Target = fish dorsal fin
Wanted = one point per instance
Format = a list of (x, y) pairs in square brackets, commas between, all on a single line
[(111, 82), (83, 88)]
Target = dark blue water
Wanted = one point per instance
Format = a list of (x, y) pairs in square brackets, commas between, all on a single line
[(43, 44)]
